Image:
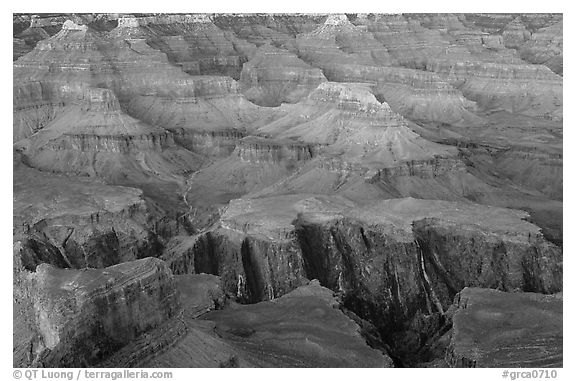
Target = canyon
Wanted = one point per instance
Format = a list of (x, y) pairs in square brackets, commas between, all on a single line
[(287, 190)]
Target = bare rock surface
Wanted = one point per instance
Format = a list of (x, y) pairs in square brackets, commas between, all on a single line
[(506, 330), (397, 263), (273, 76), (78, 222), (397, 159), (83, 316), (303, 328)]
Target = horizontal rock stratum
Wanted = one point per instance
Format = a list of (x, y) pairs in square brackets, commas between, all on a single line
[(287, 190), (506, 330)]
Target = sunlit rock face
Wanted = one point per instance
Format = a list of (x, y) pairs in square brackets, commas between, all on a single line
[(380, 186)]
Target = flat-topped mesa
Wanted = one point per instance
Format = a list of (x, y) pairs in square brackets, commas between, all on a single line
[(84, 316), (273, 76)]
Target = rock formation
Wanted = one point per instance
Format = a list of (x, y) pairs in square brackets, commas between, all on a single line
[(512, 330), (81, 317), (304, 328), (421, 252), (274, 76), (78, 223), (238, 190)]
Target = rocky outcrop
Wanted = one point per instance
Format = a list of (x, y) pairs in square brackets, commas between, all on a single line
[(515, 34), (407, 41), (33, 107), (338, 42), (81, 317), (213, 105), (96, 138), (313, 333), (533, 90), (79, 223), (545, 47), (349, 119), (275, 29), (307, 330), (534, 168), (80, 55), (34, 28), (415, 94), (200, 293), (149, 147), (445, 44), (258, 150), (390, 261), (191, 42), (273, 76), (506, 330)]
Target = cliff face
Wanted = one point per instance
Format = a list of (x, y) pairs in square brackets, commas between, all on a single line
[(266, 151), (389, 261), (81, 317), (307, 328)]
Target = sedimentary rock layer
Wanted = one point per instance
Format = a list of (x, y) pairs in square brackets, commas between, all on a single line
[(79, 222), (82, 317), (273, 76), (421, 252), (508, 330)]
